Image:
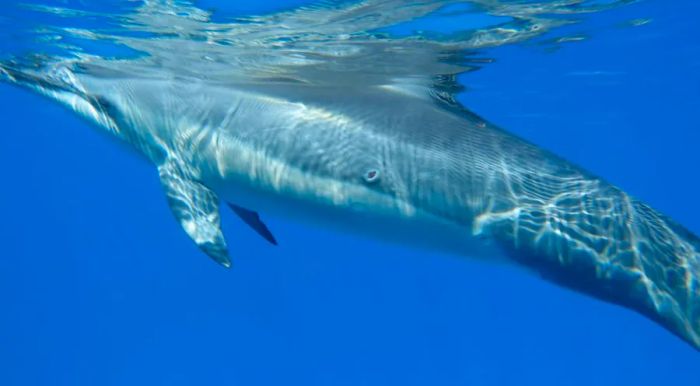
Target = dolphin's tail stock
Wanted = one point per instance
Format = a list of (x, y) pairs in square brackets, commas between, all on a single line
[(669, 270), (585, 234)]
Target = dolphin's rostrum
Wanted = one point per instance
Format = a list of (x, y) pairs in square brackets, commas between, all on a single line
[(387, 152)]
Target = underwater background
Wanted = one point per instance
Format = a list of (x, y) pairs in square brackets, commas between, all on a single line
[(100, 286)]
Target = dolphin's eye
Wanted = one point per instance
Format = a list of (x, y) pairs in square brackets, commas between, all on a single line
[(371, 175)]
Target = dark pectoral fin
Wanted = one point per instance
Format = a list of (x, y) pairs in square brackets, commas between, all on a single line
[(253, 220)]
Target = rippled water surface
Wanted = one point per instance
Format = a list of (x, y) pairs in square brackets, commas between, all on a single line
[(338, 43), (100, 286)]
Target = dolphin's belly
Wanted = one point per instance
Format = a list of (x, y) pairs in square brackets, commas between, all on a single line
[(420, 230)]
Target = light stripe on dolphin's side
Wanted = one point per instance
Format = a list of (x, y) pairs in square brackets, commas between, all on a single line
[(328, 128)]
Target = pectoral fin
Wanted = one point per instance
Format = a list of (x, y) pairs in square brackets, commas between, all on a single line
[(253, 220), (196, 207)]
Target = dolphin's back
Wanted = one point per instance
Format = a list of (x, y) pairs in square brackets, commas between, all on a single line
[(549, 215), (578, 230)]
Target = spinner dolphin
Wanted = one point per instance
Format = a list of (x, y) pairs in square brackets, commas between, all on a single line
[(389, 154)]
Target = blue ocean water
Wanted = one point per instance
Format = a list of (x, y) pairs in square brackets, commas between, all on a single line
[(100, 286)]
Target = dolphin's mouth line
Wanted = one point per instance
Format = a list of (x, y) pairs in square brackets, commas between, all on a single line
[(71, 94)]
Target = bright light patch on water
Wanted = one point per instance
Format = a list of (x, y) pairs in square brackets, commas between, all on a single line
[(368, 42)]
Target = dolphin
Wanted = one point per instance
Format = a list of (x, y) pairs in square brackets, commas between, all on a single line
[(397, 160)]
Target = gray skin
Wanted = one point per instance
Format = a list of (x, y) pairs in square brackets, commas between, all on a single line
[(399, 165)]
